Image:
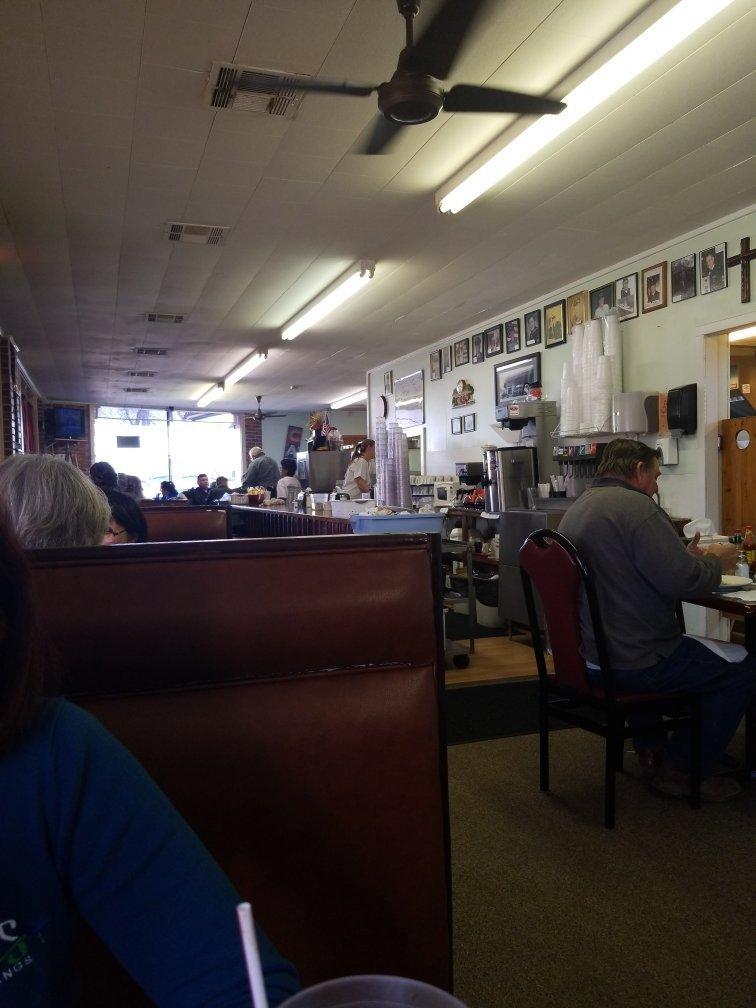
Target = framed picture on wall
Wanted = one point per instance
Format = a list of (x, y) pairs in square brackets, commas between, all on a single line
[(388, 382), (533, 327), (554, 324), (713, 268), (478, 348), (682, 277), (468, 423), (456, 425), (409, 400), (462, 352), (654, 287), (578, 309), (602, 299), (435, 365), (446, 359), (512, 336), (626, 296), (494, 340)]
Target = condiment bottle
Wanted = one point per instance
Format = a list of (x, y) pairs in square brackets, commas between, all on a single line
[(741, 568), (749, 548)]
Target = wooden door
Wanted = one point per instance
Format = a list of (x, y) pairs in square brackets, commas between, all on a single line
[(738, 474)]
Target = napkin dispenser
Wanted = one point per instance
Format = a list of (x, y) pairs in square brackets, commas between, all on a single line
[(682, 410)]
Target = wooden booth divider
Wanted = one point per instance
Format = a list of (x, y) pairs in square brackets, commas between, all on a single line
[(286, 695)]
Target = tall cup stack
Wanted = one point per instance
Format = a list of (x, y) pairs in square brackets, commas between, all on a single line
[(381, 459), (613, 346)]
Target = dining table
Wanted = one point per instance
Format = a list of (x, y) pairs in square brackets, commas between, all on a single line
[(739, 604)]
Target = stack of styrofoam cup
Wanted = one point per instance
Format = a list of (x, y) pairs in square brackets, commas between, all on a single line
[(613, 346), (390, 487), (401, 455), (593, 345), (569, 420), (601, 405), (578, 339), (381, 459)]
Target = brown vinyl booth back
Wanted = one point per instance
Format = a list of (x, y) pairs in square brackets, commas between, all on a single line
[(285, 694), (169, 523)]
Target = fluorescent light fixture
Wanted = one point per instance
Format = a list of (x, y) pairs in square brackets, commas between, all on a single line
[(350, 400), (346, 287), (248, 364), (741, 334), (669, 31), (210, 396)]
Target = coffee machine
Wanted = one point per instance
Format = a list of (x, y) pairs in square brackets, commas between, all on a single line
[(507, 473)]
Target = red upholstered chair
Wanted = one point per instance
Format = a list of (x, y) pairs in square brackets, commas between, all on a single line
[(550, 562)]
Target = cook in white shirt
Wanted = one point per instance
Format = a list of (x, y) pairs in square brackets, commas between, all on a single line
[(358, 475)]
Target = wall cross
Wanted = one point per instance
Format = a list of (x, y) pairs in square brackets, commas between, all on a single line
[(744, 261)]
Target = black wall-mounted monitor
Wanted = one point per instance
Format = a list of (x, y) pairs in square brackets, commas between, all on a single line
[(66, 423), (515, 379)]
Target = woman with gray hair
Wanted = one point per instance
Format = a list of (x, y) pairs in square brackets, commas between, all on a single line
[(50, 503)]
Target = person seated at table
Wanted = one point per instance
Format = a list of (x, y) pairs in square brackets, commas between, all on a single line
[(127, 523), (85, 833), (131, 485), (357, 479), (642, 569), (219, 490), (199, 494), (288, 479), (51, 503), (104, 476), (168, 492)]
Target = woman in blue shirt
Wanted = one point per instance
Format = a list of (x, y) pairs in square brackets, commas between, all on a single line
[(85, 831)]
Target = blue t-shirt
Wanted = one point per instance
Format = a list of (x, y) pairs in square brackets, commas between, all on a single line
[(83, 828)]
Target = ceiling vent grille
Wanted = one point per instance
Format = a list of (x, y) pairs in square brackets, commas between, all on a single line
[(141, 374), (195, 234), (134, 388), (247, 89), (150, 351), (164, 317)]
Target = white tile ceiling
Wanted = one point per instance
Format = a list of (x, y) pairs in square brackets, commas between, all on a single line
[(107, 135)]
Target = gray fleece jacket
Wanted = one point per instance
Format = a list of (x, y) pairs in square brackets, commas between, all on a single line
[(641, 569)]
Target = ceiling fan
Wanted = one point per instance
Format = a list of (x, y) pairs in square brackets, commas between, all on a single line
[(259, 414), (414, 94)]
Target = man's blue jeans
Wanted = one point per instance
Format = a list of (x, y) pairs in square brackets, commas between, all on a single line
[(725, 689)]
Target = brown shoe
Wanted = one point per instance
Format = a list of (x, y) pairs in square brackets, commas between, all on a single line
[(713, 789)]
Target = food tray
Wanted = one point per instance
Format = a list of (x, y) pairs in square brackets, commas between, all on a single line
[(370, 524)]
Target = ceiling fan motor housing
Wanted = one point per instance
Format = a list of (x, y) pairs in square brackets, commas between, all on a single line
[(410, 98)]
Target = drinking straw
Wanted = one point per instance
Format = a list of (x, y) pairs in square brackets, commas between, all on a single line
[(251, 955)]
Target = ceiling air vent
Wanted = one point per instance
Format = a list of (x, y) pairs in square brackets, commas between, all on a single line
[(150, 351), (248, 89), (164, 317), (134, 388), (195, 234), (141, 374)]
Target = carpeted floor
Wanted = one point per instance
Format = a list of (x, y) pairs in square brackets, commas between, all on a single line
[(551, 909)]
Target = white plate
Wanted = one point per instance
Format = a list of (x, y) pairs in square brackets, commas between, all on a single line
[(735, 581)]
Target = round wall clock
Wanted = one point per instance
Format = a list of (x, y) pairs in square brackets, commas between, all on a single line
[(380, 405)]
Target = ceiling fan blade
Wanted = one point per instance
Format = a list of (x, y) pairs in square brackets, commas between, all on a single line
[(378, 137), (330, 87), (469, 98), (435, 51)]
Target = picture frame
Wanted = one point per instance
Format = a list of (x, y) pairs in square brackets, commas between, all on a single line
[(578, 310), (512, 336), (463, 394), (494, 340), (601, 297), (388, 382), (555, 324), (435, 365), (461, 352), (478, 348), (533, 333), (446, 359), (654, 287), (456, 425), (712, 268), (682, 278), (626, 297), (409, 400), (468, 423)]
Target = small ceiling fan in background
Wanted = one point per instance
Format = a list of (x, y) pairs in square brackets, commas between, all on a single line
[(414, 94), (260, 415)]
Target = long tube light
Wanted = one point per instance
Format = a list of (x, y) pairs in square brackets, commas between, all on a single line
[(740, 334), (346, 288), (350, 400), (248, 364), (242, 370), (669, 31)]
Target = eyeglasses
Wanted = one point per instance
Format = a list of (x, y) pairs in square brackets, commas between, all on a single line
[(113, 534)]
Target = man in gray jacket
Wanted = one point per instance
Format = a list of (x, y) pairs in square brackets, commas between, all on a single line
[(262, 471), (641, 569)]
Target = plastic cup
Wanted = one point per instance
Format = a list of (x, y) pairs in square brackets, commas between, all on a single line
[(544, 489), (373, 992)]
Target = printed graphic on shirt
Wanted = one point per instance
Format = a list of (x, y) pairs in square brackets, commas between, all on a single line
[(15, 953)]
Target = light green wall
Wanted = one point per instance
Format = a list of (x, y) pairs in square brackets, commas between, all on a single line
[(349, 421), (661, 350)]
